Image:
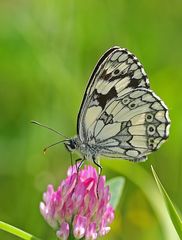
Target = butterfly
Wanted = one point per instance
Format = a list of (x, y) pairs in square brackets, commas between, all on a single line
[(120, 116)]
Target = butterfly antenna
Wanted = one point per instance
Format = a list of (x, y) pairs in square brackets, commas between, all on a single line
[(51, 129), (45, 149)]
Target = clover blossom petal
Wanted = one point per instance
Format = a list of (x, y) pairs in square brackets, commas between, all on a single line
[(74, 209), (63, 232)]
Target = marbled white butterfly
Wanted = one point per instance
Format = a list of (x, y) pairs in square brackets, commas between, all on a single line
[(120, 116)]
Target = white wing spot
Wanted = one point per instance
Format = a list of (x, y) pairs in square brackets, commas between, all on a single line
[(139, 141), (115, 56), (148, 98), (130, 60), (137, 130), (143, 71), (123, 57), (134, 66), (91, 115), (167, 130), (161, 129), (137, 74), (157, 106), (99, 125), (109, 130), (122, 84), (161, 116), (139, 119), (132, 153), (137, 94)]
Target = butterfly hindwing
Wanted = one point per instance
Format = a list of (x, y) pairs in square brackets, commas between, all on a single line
[(116, 73), (132, 126)]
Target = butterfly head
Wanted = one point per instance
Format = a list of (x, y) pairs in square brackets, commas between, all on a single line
[(71, 144)]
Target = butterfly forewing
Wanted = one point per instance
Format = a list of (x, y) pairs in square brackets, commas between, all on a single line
[(116, 73), (119, 114)]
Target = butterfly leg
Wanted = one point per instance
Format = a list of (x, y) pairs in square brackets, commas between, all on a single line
[(78, 166), (71, 158), (100, 171)]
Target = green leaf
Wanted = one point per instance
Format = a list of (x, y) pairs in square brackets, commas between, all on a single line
[(170, 206), (16, 231), (116, 188)]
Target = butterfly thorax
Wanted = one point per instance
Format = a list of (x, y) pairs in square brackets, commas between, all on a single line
[(86, 150)]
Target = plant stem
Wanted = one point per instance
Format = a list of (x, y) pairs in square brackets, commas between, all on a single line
[(71, 237), (16, 231)]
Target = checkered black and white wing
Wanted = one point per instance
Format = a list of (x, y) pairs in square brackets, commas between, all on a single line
[(131, 126), (117, 73)]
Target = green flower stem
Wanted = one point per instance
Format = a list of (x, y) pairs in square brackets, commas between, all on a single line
[(17, 232), (71, 237)]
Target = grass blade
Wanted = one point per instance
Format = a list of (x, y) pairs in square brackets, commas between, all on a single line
[(16, 231), (141, 178), (170, 206)]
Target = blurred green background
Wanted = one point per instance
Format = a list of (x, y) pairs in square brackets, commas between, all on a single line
[(48, 50)]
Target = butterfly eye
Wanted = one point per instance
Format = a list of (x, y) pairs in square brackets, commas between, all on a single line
[(150, 129), (71, 145), (149, 117)]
